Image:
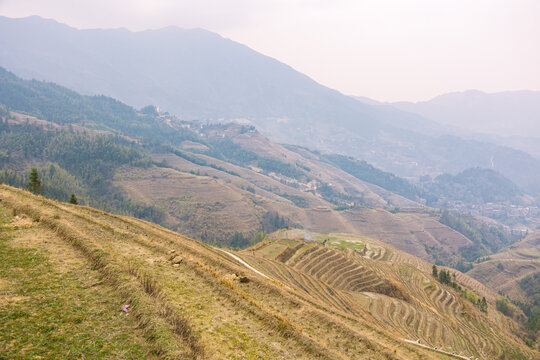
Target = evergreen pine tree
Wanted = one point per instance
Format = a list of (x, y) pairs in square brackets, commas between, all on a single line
[(73, 200), (34, 183), (434, 272), (483, 305)]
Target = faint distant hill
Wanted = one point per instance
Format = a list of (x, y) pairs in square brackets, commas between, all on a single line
[(366, 100), (509, 113), (193, 73), (475, 186)]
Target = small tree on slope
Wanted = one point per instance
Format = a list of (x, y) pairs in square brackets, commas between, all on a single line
[(34, 183)]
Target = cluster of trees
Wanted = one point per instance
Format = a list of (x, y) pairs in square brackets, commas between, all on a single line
[(297, 200), (71, 163), (56, 182), (531, 286), (366, 172), (271, 221), (201, 162), (35, 184), (475, 186), (55, 103), (463, 266), (42, 182), (280, 167), (4, 113), (504, 306), (240, 241), (93, 159), (482, 304), (446, 278), (226, 149), (343, 201), (530, 317), (248, 188), (486, 238)]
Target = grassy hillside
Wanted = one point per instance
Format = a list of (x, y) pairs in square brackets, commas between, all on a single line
[(190, 300), (366, 172)]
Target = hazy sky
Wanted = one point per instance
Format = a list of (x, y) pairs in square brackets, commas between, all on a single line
[(388, 50)]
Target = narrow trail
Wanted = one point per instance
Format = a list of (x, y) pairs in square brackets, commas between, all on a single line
[(244, 263), (438, 350)]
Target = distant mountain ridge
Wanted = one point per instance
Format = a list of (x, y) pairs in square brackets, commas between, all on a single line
[(195, 74), (508, 113)]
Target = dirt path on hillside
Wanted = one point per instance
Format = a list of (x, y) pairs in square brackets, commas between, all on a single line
[(244, 263)]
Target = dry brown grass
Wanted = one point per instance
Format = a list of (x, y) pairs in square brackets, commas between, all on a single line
[(196, 309), (433, 313)]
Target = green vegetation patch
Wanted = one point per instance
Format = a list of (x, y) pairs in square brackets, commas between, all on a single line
[(486, 238), (51, 315), (366, 172), (344, 244), (340, 243)]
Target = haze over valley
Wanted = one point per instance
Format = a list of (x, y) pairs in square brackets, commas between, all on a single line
[(171, 193)]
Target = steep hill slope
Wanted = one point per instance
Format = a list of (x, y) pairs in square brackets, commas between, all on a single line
[(515, 274), (190, 300)]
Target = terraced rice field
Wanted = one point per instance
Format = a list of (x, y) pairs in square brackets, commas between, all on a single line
[(396, 289), (188, 300)]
